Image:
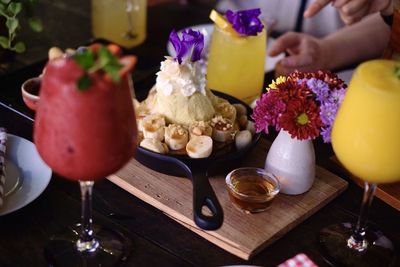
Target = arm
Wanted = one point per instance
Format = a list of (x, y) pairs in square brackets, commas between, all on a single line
[(349, 45), (352, 11), (359, 42)]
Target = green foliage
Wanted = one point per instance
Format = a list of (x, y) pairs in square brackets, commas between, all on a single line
[(11, 10), (102, 60)]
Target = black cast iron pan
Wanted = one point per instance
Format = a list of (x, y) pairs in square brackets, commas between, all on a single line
[(197, 171)]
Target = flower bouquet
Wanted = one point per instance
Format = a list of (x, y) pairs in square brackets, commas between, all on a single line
[(304, 104), (301, 106)]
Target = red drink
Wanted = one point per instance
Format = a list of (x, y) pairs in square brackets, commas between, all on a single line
[(85, 129), (84, 135)]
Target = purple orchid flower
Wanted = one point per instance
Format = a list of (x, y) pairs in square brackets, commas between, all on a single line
[(245, 22), (191, 44)]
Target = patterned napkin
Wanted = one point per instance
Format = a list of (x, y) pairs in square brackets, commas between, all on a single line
[(3, 139), (300, 260)]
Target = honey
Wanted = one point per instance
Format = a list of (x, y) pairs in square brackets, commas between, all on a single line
[(251, 192)]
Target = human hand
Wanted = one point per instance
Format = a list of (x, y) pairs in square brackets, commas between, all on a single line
[(305, 53), (351, 11)]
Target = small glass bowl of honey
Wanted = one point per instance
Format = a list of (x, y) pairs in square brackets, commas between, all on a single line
[(252, 189)]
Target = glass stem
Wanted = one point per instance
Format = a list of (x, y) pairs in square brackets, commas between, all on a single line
[(86, 242), (357, 240)]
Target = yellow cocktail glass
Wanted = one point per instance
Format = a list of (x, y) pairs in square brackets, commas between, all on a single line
[(366, 140), (120, 21), (236, 63)]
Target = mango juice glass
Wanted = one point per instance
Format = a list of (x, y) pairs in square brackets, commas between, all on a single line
[(120, 21), (366, 140), (236, 64)]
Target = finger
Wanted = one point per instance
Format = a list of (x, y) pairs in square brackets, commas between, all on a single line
[(355, 17), (297, 61), (315, 7), (354, 7), (385, 6), (281, 70), (285, 42), (339, 3)]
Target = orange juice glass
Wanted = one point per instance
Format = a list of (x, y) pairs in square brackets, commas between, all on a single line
[(236, 64), (366, 140)]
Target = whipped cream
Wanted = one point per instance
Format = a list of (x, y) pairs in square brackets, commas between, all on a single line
[(187, 77)]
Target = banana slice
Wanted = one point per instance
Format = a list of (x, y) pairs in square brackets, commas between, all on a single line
[(154, 145), (226, 110), (222, 129), (55, 52), (200, 128), (199, 147), (250, 127), (176, 136), (240, 109), (243, 139), (141, 112), (153, 126), (243, 121)]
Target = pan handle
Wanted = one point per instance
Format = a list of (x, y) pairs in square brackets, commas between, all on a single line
[(204, 196)]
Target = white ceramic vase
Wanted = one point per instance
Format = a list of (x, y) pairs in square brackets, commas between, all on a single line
[(292, 161)]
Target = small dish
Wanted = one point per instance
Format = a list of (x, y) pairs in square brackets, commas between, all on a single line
[(252, 189), (30, 92)]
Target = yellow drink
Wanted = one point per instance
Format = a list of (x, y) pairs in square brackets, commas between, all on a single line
[(120, 21), (366, 132), (236, 64)]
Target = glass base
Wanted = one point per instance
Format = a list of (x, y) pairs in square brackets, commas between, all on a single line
[(62, 251), (334, 239)]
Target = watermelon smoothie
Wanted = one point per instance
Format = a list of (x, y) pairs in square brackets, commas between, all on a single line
[(85, 134)]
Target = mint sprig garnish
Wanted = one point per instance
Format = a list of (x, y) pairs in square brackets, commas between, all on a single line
[(397, 70), (101, 60)]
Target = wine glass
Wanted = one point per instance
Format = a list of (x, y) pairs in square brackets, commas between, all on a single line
[(365, 138), (85, 134), (236, 63)]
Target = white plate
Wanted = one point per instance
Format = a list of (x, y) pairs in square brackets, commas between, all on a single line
[(207, 29), (25, 172)]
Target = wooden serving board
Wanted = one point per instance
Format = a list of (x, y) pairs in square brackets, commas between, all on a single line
[(241, 234)]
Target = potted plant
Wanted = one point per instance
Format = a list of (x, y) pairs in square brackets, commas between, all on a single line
[(11, 12)]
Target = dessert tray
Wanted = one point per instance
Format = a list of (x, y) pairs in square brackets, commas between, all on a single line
[(241, 234)]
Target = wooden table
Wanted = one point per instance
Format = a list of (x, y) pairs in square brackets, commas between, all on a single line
[(158, 240)]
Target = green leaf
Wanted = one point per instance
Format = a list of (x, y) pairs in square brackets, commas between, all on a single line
[(84, 83), (5, 1), (103, 60), (2, 8), (35, 24), (4, 42), (12, 24), (85, 59), (113, 71), (14, 8), (19, 47), (397, 70)]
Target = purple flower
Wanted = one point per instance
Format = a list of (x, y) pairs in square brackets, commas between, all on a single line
[(245, 22), (337, 95), (328, 112), (319, 88), (191, 44), (326, 133)]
